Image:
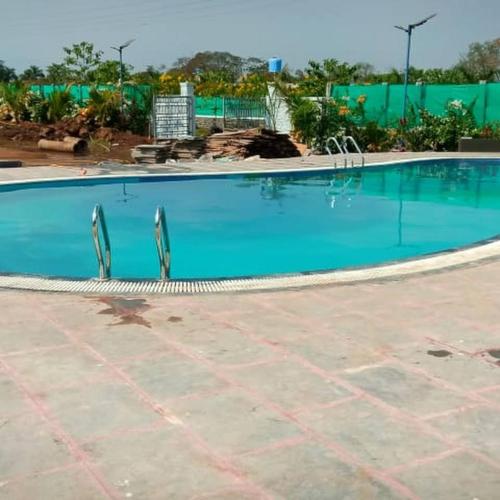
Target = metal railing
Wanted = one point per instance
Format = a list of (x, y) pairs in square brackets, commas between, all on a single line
[(336, 142), (162, 243), (103, 257), (351, 139), (344, 150)]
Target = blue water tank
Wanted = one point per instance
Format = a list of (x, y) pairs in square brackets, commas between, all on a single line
[(275, 65)]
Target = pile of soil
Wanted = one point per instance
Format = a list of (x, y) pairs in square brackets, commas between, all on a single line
[(19, 141)]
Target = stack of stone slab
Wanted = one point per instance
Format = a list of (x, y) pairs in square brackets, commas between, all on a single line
[(252, 142), (151, 153)]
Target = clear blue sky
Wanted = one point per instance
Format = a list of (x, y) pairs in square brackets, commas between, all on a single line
[(33, 31)]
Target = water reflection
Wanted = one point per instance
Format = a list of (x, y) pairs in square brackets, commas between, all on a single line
[(457, 183), (126, 195)]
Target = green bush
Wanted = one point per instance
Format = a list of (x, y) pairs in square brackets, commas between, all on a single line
[(60, 105), (315, 121), (38, 108), (137, 114), (15, 96), (372, 138), (441, 133), (104, 106)]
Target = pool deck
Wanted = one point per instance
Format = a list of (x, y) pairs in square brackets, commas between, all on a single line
[(374, 390)]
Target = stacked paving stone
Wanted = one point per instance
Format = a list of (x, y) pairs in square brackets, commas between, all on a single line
[(236, 145), (151, 153), (253, 142)]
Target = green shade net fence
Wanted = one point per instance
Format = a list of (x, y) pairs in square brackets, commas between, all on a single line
[(384, 102), (81, 93), (213, 107)]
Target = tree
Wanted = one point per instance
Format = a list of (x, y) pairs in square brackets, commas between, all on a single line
[(150, 75), (482, 61), (365, 71), (6, 74), (59, 73), (32, 74), (214, 62), (318, 74), (81, 60), (109, 72), (255, 65), (221, 63)]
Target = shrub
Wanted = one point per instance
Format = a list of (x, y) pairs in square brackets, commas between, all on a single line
[(441, 133), (15, 96), (373, 139), (38, 108), (59, 105), (315, 121), (138, 113), (104, 107)]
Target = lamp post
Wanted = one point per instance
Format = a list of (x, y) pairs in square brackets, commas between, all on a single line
[(120, 51), (409, 30)]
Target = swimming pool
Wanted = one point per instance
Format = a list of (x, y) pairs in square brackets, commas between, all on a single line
[(236, 225)]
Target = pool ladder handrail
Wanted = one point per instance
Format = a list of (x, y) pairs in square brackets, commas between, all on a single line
[(351, 139), (343, 149), (336, 142), (103, 257), (162, 243)]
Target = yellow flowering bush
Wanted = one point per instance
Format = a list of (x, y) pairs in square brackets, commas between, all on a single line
[(170, 83)]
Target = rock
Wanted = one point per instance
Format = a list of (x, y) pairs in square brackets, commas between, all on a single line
[(84, 133), (47, 132)]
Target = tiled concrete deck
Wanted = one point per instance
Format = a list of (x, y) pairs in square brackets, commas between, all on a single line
[(369, 391)]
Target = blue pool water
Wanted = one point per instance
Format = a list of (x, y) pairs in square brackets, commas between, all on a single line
[(242, 225)]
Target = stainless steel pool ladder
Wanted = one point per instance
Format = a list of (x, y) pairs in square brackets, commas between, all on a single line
[(103, 257), (162, 243), (343, 149), (351, 139)]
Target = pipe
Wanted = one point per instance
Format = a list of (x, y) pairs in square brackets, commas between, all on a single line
[(68, 145)]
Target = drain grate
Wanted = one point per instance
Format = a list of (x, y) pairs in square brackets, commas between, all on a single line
[(447, 260)]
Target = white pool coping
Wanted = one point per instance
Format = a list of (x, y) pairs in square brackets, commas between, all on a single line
[(482, 251)]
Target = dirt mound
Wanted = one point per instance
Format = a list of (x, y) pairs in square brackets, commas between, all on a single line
[(19, 141)]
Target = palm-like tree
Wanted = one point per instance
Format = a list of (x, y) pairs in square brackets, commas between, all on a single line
[(32, 74)]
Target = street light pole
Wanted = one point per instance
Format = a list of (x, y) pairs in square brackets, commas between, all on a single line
[(120, 51), (409, 30)]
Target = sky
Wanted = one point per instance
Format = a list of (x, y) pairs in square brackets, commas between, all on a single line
[(34, 31)]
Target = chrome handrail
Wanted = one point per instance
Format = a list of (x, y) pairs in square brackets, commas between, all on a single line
[(336, 142), (103, 258), (162, 243), (355, 144)]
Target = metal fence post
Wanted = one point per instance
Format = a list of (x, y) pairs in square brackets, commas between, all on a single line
[(484, 85), (422, 97), (386, 105), (223, 112)]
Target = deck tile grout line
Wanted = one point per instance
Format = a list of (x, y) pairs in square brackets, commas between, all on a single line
[(40, 409), (220, 462)]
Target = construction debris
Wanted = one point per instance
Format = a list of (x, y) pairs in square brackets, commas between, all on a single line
[(235, 145), (188, 149), (253, 142), (151, 153)]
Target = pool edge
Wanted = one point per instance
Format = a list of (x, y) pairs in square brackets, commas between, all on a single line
[(440, 262), (448, 259)]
